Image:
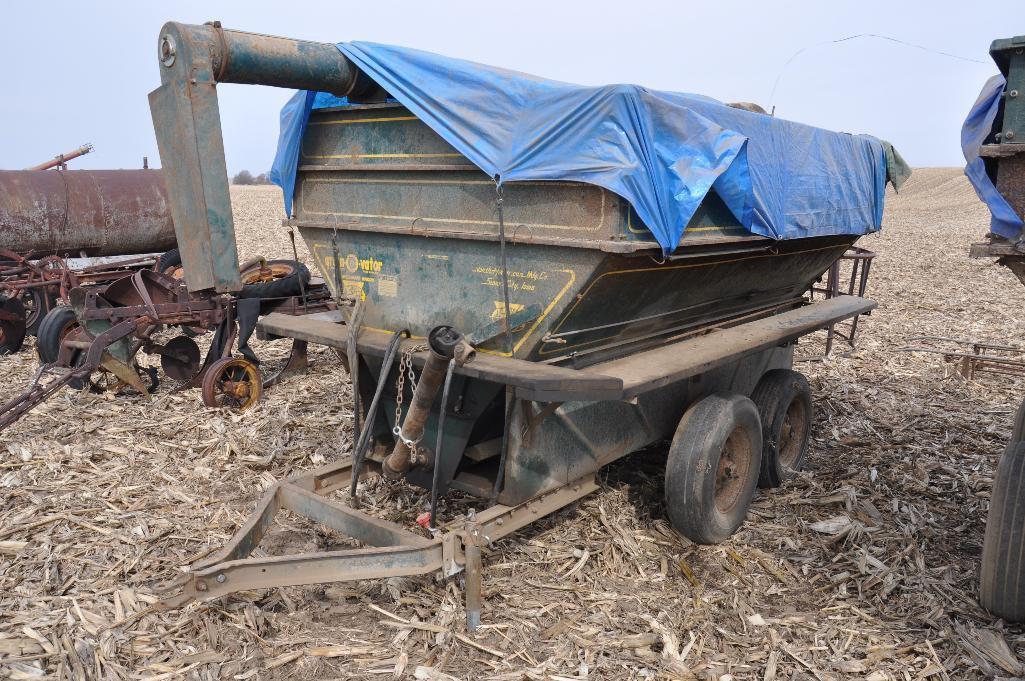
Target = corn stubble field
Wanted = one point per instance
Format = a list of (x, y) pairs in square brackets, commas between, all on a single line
[(864, 567)]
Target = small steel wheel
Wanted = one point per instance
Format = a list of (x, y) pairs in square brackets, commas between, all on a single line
[(713, 466), (234, 383), (274, 279), (783, 399), (12, 325)]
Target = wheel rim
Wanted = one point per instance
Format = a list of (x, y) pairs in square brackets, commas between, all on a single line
[(235, 384), (792, 433), (32, 309), (175, 271), (65, 330), (272, 272), (733, 471)]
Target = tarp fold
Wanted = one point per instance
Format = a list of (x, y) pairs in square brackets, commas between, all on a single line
[(661, 151)]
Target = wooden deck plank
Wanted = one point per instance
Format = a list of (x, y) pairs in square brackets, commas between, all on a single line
[(618, 379), (669, 363), (531, 380)]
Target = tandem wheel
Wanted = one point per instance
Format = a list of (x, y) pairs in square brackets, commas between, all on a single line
[(713, 467), (783, 399)]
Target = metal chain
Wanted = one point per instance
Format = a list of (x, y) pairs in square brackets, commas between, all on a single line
[(406, 371)]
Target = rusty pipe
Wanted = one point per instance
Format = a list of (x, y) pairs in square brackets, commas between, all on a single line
[(472, 553), (61, 159), (96, 212), (446, 345)]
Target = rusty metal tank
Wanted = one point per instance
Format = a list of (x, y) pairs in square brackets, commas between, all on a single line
[(85, 212)]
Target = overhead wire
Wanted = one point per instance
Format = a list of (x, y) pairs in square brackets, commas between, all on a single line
[(795, 55)]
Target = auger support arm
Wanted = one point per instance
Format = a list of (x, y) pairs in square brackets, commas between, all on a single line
[(187, 122)]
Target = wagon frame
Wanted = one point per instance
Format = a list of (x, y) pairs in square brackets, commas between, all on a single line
[(392, 550)]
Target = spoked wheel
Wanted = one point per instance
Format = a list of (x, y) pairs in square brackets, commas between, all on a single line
[(783, 398), (233, 383), (12, 325), (274, 279), (712, 471), (37, 303)]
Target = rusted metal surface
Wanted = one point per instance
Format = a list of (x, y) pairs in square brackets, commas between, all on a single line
[(186, 118), (85, 212), (40, 283), (444, 345), (972, 357), (232, 382), (38, 392), (146, 302), (61, 160)]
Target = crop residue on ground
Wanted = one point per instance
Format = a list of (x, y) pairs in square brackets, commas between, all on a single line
[(864, 567)]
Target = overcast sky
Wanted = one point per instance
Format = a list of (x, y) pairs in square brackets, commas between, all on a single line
[(77, 72)]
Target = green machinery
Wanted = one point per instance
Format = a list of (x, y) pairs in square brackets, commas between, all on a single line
[(533, 365)]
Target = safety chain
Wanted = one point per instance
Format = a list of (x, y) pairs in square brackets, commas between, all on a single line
[(406, 370)]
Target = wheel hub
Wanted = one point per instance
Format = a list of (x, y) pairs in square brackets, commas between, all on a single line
[(791, 433), (733, 471)]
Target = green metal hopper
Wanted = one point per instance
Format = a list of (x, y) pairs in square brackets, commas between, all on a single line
[(571, 371)]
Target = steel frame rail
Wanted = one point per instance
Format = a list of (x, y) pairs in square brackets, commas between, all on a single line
[(390, 550)]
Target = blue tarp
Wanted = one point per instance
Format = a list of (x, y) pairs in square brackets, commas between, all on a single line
[(977, 127), (661, 151)]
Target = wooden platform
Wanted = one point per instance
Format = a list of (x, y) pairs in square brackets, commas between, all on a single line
[(530, 380), (673, 362), (620, 379)]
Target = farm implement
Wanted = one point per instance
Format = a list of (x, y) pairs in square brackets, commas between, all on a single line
[(508, 337), (94, 342)]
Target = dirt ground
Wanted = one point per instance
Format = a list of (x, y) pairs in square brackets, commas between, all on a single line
[(864, 567)]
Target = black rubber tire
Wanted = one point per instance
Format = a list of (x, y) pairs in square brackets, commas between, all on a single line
[(1018, 432), (173, 258), (289, 285), (1002, 578), (783, 398), (51, 329), (718, 425)]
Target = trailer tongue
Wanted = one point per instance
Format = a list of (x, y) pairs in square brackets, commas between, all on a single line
[(509, 334)]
